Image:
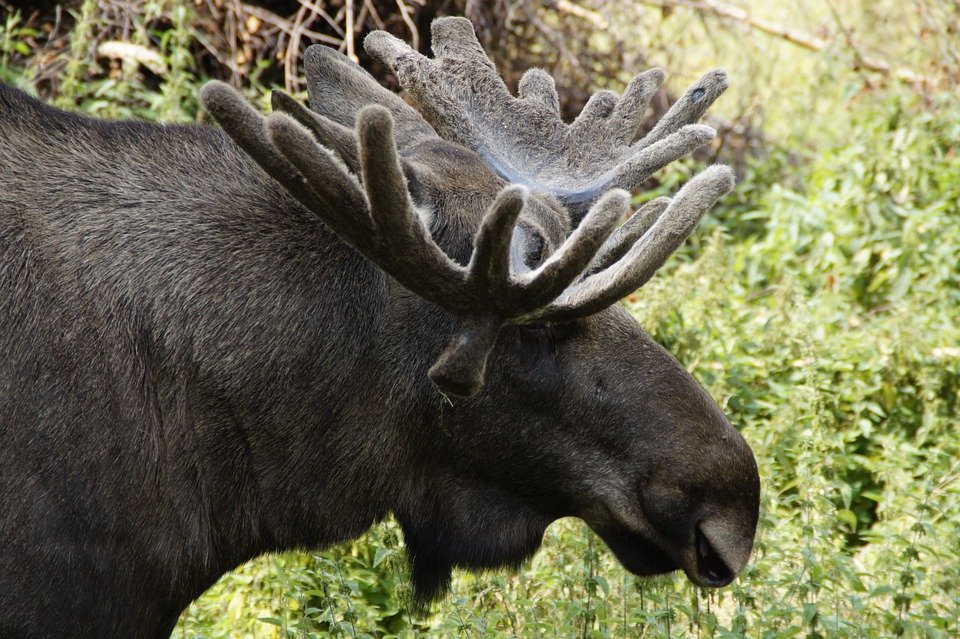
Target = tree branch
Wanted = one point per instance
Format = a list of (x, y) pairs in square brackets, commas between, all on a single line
[(804, 40)]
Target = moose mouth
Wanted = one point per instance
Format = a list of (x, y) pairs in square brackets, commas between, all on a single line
[(644, 557)]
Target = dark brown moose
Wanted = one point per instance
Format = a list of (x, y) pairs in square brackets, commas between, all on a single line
[(219, 345)]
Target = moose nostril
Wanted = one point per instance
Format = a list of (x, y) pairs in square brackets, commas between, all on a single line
[(711, 568)]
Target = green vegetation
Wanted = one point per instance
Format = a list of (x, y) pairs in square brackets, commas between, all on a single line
[(820, 304)]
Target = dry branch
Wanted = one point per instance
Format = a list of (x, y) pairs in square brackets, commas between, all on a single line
[(804, 40)]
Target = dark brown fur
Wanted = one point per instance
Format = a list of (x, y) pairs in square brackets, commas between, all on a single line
[(194, 371)]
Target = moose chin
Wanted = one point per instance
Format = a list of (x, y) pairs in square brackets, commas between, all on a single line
[(220, 342)]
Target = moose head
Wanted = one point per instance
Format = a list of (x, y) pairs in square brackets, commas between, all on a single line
[(501, 223)]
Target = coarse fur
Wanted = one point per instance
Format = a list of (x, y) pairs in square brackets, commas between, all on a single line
[(195, 370)]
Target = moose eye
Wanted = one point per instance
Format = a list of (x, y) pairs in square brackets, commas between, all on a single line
[(539, 331), (534, 251)]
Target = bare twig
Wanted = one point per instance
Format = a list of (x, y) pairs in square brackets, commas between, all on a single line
[(584, 13), (557, 42), (351, 53), (317, 9), (407, 20), (286, 26), (374, 14), (809, 42)]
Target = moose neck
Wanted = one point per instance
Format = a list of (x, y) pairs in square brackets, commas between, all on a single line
[(218, 351), (284, 432), (331, 444)]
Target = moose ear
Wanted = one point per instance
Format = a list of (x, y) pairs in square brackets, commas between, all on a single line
[(338, 88)]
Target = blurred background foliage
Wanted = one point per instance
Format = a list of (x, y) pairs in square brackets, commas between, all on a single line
[(819, 303)]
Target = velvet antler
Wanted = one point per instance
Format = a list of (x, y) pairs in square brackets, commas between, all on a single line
[(377, 218), (523, 138), (601, 288), (317, 154)]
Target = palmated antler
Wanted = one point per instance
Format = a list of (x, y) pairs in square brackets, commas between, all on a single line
[(379, 220), (317, 158), (524, 138)]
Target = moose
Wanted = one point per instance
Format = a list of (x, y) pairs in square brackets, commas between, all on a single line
[(222, 342)]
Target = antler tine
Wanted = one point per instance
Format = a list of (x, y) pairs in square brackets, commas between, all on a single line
[(599, 291), (246, 127), (627, 116), (539, 87), (404, 245), (319, 169), (632, 173), (333, 135), (489, 267), (454, 37), (598, 107), (627, 235), (549, 280), (331, 73), (690, 107), (250, 131), (391, 50), (389, 232)]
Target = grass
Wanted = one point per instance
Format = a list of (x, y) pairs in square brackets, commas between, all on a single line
[(819, 304)]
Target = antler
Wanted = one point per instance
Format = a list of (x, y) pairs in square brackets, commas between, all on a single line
[(379, 220), (601, 288), (524, 138)]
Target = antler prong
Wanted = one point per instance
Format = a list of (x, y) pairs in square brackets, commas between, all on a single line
[(454, 37), (391, 50), (538, 87), (597, 109), (336, 193), (627, 235), (632, 271), (383, 177), (403, 244), (333, 135), (627, 116), (690, 107), (550, 279), (246, 127), (489, 266), (636, 170), (331, 74)]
